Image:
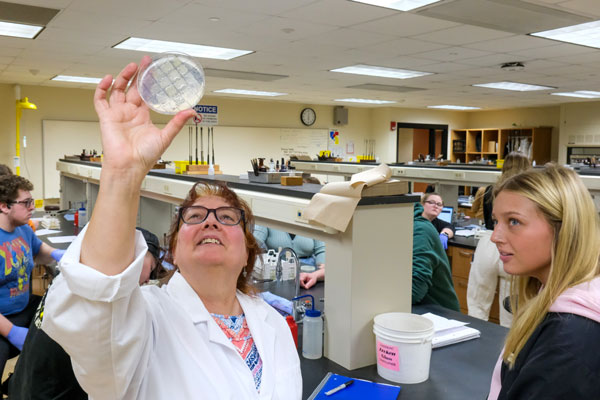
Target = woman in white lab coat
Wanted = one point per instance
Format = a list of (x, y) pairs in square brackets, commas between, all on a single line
[(204, 335)]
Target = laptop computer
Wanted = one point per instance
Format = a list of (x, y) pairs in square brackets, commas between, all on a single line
[(446, 214)]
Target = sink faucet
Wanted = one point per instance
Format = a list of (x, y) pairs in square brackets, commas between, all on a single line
[(279, 273)]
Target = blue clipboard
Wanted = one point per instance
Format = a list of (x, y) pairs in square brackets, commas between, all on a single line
[(360, 389)]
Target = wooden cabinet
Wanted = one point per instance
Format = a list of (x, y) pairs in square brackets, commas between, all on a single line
[(468, 145), (460, 261)]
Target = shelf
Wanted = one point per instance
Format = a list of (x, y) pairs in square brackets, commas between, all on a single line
[(490, 143)]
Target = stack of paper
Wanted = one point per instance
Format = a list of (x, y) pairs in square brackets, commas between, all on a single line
[(450, 331)]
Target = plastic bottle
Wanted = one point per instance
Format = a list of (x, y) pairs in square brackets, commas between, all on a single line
[(271, 166), (211, 170), (82, 216), (76, 218), (293, 328), (312, 332)]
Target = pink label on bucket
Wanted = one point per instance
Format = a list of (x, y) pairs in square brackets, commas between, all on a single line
[(387, 356)]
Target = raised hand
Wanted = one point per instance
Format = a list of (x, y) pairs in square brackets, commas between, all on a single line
[(130, 140)]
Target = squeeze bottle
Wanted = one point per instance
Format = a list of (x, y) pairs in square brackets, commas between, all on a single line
[(312, 332), (82, 216)]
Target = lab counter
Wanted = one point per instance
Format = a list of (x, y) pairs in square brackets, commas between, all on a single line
[(380, 229), (457, 372)]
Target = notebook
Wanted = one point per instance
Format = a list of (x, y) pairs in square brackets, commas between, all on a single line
[(446, 214), (360, 389)]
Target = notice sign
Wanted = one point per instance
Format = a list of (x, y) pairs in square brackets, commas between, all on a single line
[(207, 115)]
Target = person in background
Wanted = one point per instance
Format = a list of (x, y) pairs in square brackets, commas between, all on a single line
[(548, 234), (481, 207), (486, 269), (432, 207), (19, 249), (5, 170), (310, 251), (43, 370), (431, 274), (204, 334)]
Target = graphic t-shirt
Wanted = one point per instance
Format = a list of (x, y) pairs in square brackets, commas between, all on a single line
[(17, 249)]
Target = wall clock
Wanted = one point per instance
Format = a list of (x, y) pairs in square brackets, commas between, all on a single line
[(308, 116)]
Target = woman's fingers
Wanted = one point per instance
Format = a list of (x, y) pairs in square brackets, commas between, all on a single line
[(133, 95), (100, 102), (120, 84), (176, 124)]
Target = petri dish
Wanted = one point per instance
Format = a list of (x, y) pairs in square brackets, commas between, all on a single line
[(172, 82)]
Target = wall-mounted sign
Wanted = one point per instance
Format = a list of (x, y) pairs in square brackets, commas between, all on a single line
[(207, 115)]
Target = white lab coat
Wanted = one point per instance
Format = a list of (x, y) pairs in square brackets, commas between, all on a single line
[(128, 342), (486, 273)]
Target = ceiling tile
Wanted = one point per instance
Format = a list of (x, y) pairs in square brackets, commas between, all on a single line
[(462, 34)]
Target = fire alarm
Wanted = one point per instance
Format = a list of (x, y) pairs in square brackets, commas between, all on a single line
[(393, 126)]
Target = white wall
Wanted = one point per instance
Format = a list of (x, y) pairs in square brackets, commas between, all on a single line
[(577, 118)]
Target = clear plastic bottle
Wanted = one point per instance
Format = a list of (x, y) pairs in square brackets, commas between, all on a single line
[(312, 332), (82, 216)]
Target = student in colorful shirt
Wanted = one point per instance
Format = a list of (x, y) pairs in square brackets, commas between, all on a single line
[(204, 334), (18, 248)]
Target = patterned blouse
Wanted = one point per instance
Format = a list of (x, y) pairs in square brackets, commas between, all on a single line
[(236, 329)]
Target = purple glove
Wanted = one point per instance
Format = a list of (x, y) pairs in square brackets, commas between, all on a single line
[(444, 240), (57, 254), (17, 335)]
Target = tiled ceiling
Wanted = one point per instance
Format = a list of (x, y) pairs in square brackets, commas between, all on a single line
[(463, 42)]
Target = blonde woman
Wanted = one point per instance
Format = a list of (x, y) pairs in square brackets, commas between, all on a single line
[(547, 234), (486, 270)]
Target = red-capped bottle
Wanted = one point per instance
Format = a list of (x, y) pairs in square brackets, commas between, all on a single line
[(293, 327)]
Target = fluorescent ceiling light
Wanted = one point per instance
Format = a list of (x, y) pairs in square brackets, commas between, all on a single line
[(361, 69), (79, 79), (249, 92), (366, 101), (450, 107), (519, 87), (587, 34), (194, 50), (401, 5), (584, 94), (19, 30)]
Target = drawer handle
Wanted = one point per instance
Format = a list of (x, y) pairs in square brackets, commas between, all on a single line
[(462, 284), (465, 253)]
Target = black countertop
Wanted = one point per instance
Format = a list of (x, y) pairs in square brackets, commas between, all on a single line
[(457, 372), (429, 164), (306, 191)]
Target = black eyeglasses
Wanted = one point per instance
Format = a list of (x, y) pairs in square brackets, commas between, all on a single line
[(225, 215), (434, 203), (27, 202)]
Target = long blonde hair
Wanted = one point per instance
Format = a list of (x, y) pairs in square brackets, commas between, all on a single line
[(565, 202)]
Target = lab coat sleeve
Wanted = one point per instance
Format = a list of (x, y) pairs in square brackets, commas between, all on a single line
[(103, 322), (319, 252), (422, 263), (483, 278)]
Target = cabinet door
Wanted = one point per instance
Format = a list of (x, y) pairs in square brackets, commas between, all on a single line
[(461, 261)]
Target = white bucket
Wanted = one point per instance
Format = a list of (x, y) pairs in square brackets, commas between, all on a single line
[(403, 345)]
